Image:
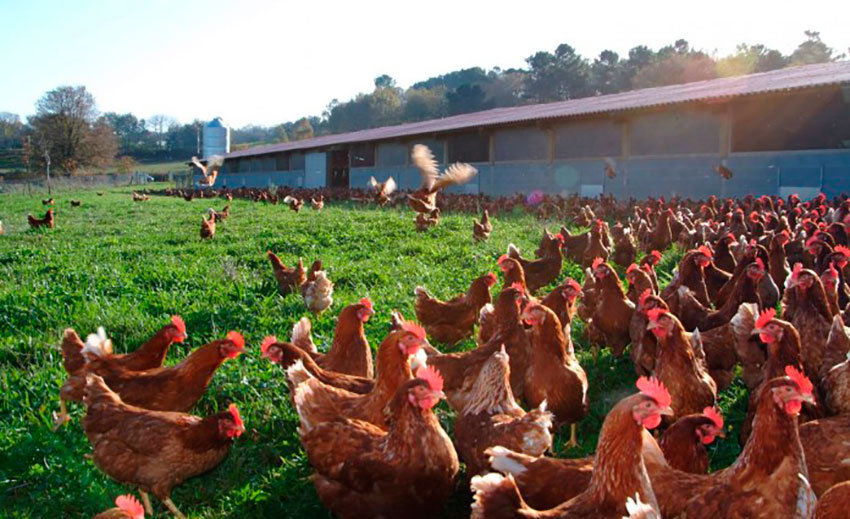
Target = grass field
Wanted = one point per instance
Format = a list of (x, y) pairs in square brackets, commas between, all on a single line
[(129, 266)]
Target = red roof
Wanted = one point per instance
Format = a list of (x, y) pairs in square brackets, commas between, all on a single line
[(712, 89)]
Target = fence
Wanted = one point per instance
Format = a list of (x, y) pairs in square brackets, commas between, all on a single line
[(63, 183)]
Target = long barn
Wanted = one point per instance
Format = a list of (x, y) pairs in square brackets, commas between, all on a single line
[(779, 132)]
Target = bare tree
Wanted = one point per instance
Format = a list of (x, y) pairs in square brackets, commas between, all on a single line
[(159, 124)]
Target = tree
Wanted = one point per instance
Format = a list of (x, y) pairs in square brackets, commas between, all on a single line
[(421, 104), (126, 164), (675, 64), (68, 129), (159, 124), (385, 105), (559, 76), (384, 81), (749, 59), (280, 133), (813, 50), (608, 74), (303, 129), (466, 99)]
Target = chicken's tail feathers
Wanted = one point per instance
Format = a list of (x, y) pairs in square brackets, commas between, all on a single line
[(513, 251), (507, 461), (495, 495), (302, 335), (486, 311), (744, 320), (287, 199), (420, 291)]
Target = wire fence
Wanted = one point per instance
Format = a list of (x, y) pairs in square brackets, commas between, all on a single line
[(63, 183)]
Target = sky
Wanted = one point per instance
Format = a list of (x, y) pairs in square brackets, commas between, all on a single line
[(267, 62)]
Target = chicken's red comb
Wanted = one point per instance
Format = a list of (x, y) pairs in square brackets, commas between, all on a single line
[(502, 258), (131, 506), (765, 317), (268, 341), (811, 241), (798, 267), (841, 249), (414, 328), (631, 268), (518, 286), (492, 277), (705, 251), (760, 263), (655, 254), (714, 415), (655, 390), (786, 233), (598, 222), (597, 261), (800, 379), (430, 375), (367, 303), (731, 236), (656, 313), (574, 284), (237, 339), (178, 323), (644, 296), (237, 419), (754, 216)]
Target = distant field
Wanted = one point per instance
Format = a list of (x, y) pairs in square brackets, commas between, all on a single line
[(129, 266), (162, 167)]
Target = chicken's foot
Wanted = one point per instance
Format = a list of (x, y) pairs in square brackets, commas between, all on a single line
[(146, 500), (170, 505), (62, 417), (573, 443)]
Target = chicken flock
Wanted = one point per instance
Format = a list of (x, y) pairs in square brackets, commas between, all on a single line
[(760, 294)]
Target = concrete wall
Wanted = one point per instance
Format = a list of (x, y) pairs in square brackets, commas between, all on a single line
[(315, 170)]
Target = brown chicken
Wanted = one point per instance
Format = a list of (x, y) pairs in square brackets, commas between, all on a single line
[(318, 289), (286, 354), (540, 272), (492, 417), (679, 367), (554, 375), (596, 244), (383, 190), (826, 443), (208, 226), (624, 250), (140, 197), (295, 204), (805, 306), (618, 471), (609, 323), (288, 279), (661, 236), (834, 503), (210, 171), (318, 402), (513, 271), (692, 276), (317, 204), (481, 230), (173, 388), (408, 470), (644, 345), (46, 221), (575, 245), (349, 352), (835, 384), (424, 199), (683, 443), (154, 450), (452, 321), (640, 281), (563, 300)]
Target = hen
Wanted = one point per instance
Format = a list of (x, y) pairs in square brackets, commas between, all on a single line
[(826, 443), (618, 471), (683, 443), (492, 417), (126, 507), (46, 221), (540, 272), (209, 171), (154, 450), (318, 289), (408, 470), (288, 279), (208, 226), (452, 321), (609, 323), (834, 503), (805, 306), (383, 190), (563, 300), (317, 204), (295, 204), (424, 199), (481, 230), (286, 354), (835, 385)]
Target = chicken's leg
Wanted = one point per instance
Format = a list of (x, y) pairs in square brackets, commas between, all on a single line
[(170, 505), (146, 500), (573, 443), (62, 417)]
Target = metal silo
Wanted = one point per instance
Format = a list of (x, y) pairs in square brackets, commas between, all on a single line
[(216, 138)]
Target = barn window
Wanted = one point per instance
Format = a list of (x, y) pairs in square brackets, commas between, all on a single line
[(391, 154), (469, 147), (675, 132), (588, 140), (520, 144), (817, 120), (281, 162), (296, 161), (363, 155)]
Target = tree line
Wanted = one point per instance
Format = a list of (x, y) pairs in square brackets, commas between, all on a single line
[(69, 132)]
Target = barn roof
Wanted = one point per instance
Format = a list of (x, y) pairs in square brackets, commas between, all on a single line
[(709, 90)]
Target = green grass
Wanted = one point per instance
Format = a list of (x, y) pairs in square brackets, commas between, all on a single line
[(129, 266)]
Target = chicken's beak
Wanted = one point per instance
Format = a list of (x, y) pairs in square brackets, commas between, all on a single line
[(667, 411), (651, 325), (720, 434), (809, 398), (440, 395)]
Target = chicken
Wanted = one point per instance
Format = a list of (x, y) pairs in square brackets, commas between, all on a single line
[(424, 199), (173, 388), (126, 507), (596, 245), (835, 385), (317, 204), (644, 345), (640, 281), (514, 273), (481, 231), (362, 471), (140, 197), (833, 504), (805, 306), (679, 366), (222, 215), (75, 203), (286, 354), (318, 402), (47, 201), (540, 272), (826, 443), (624, 250), (492, 417), (683, 443), (575, 245), (609, 323), (295, 204), (618, 471), (210, 171), (46, 221), (425, 221), (692, 276), (554, 375), (288, 279), (149, 355), (208, 226), (563, 300), (383, 190), (317, 290), (452, 321), (769, 479), (661, 236), (154, 450), (349, 352)]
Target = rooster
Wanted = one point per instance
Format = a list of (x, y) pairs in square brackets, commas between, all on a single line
[(383, 190), (618, 471), (208, 226), (288, 279), (126, 507), (424, 199), (408, 470), (46, 221), (481, 230), (295, 204), (154, 450), (492, 417), (210, 171), (452, 321), (318, 290)]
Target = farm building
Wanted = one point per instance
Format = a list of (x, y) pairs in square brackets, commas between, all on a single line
[(777, 132)]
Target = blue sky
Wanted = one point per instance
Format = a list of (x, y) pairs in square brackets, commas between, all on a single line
[(267, 62)]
